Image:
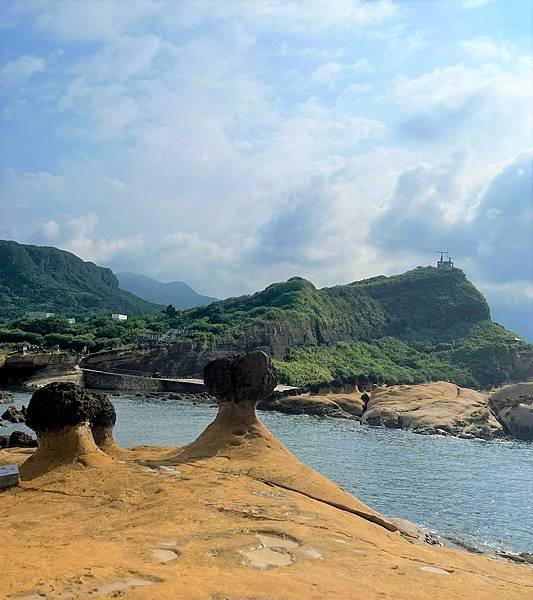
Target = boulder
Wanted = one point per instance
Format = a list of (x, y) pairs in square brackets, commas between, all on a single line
[(6, 398), (440, 408), (513, 407), (319, 406), (21, 439), (13, 415), (4, 441)]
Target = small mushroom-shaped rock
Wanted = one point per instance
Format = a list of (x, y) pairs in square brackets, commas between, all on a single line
[(102, 419), (59, 413)]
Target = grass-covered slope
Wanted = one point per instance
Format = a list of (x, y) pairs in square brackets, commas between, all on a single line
[(39, 278), (426, 324), (423, 304)]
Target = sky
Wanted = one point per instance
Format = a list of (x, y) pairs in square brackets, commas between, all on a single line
[(230, 144)]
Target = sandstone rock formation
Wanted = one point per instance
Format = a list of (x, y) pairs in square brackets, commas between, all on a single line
[(238, 442), (36, 369), (513, 407), (236, 517), (60, 414), (102, 419), (433, 408)]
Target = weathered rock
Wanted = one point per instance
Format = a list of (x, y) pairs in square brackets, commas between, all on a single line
[(13, 415), (60, 413), (238, 442), (35, 369), (246, 378), (21, 439), (440, 408), (102, 419), (6, 398), (4, 441), (320, 406), (513, 407), (414, 533)]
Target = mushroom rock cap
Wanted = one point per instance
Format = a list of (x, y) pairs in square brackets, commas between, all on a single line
[(101, 410), (56, 406), (60, 414), (246, 378), (237, 442)]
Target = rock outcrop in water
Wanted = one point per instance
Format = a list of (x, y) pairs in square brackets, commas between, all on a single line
[(513, 407), (60, 415), (433, 408)]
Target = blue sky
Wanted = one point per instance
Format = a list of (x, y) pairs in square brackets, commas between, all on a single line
[(232, 144)]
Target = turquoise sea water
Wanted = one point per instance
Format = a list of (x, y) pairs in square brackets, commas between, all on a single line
[(476, 491)]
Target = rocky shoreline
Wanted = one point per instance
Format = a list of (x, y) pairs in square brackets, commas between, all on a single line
[(231, 515)]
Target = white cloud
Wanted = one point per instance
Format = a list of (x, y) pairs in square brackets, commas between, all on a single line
[(326, 72), (483, 48), (469, 4), (18, 71), (329, 71)]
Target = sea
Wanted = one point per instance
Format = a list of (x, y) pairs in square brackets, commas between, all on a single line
[(477, 493)]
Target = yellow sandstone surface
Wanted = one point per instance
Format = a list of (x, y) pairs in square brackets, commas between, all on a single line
[(231, 516)]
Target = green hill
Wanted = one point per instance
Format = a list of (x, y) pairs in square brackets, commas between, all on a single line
[(39, 278), (426, 324)]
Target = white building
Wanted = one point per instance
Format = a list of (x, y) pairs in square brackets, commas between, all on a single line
[(37, 314), (71, 320), (119, 317)]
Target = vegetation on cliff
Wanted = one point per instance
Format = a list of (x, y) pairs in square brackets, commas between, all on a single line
[(39, 278), (426, 324)]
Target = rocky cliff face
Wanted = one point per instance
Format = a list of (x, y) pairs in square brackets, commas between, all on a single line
[(35, 369)]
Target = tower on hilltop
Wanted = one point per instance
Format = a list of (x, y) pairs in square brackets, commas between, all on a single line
[(445, 261)]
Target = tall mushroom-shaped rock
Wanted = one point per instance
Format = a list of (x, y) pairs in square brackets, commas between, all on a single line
[(237, 442), (59, 413)]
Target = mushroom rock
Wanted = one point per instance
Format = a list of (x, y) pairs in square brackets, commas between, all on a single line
[(102, 419), (59, 413), (237, 442)]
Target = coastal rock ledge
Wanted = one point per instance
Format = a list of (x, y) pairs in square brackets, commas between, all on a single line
[(513, 407), (433, 408), (233, 515)]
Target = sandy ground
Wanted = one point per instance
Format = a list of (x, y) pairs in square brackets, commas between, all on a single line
[(232, 516)]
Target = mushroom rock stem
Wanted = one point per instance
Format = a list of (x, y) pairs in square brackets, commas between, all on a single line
[(236, 442), (103, 437), (102, 418)]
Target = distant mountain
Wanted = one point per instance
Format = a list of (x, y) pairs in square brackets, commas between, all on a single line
[(177, 293), (41, 278)]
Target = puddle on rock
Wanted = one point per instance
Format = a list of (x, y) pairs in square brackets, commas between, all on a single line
[(164, 555), (272, 541), (263, 558), (120, 585), (436, 570)]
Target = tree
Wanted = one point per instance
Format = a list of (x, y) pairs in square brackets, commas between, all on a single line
[(170, 311)]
